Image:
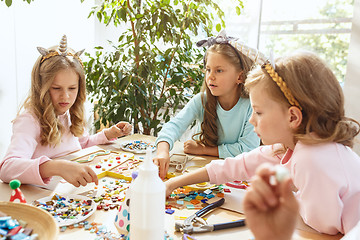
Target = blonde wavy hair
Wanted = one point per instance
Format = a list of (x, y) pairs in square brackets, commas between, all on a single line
[(319, 94), (208, 135), (39, 101)]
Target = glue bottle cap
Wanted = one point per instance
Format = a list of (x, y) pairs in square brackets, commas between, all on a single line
[(148, 163)]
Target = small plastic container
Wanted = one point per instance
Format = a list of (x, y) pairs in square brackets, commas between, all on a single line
[(147, 204)]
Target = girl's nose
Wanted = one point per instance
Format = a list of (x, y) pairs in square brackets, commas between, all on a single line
[(211, 75), (65, 94), (252, 120)]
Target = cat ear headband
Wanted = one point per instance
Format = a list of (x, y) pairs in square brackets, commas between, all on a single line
[(62, 51), (256, 56), (236, 44)]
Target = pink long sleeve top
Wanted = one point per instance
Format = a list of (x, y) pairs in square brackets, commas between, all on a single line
[(326, 177), (25, 153)]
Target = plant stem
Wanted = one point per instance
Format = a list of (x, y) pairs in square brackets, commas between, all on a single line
[(172, 57), (136, 43)]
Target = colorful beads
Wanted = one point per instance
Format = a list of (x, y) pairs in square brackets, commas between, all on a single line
[(137, 146), (190, 199), (67, 210), (14, 229)]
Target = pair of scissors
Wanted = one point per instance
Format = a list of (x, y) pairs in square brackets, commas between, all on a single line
[(188, 227)]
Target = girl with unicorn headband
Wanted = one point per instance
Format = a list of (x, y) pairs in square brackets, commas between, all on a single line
[(53, 123)]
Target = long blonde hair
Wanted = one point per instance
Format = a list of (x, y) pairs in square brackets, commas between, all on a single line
[(39, 101), (319, 94), (209, 129)]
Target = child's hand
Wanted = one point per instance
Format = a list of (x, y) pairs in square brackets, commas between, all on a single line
[(163, 161), (270, 210), (198, 176), (75, 173), (162, 158), (168, 188), (118, 130), (192, 147), (78, 174)]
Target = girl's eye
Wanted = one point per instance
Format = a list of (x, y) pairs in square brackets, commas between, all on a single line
[(55, 88), (258, 113), (219, 70), (73, 88)]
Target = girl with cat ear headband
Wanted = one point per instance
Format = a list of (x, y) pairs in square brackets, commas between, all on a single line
[(222, 108)]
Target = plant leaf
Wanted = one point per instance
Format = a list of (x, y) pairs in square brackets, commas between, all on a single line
[(8, 2), (218, 27)]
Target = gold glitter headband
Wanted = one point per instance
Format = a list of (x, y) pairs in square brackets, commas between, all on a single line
[(282, 85), (260, 59), (62, 52)]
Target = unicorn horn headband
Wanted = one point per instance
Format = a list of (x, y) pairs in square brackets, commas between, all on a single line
[(256, 56), (62, 51)]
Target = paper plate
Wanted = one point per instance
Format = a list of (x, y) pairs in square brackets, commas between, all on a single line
[(142, 145), (67, 200), (37, 219)]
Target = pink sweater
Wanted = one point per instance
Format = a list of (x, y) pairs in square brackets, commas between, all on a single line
[(326, 176), (25, 153)]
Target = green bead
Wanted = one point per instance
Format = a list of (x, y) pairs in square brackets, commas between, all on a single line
[(14, 184)]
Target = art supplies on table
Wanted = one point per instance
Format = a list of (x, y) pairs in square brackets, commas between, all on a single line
[(32, 220), (67, 210), (137, 146)]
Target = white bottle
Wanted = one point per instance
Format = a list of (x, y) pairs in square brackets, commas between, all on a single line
[(147, 203)]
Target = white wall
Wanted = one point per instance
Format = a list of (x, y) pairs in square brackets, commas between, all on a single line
[(352, 81), (25, 26)]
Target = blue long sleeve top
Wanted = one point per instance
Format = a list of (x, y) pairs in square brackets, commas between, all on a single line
[(236, 134)]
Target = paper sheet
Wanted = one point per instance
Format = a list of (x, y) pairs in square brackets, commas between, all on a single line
[(233, 200)]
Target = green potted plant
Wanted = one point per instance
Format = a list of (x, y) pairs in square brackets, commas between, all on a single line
[(154, 66)]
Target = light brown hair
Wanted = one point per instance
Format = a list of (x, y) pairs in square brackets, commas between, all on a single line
[(39, 101), (209, 129), (319, 94)]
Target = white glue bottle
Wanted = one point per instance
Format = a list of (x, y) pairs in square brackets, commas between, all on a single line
[(147, 203)]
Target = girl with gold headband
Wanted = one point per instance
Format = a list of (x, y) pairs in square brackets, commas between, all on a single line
[(298, 112), (223, 107), (53, 123)]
